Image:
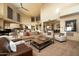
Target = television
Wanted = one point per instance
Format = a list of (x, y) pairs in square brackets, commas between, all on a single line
[(70, 24)]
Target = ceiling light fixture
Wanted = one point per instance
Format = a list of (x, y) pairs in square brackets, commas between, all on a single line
[(57, 10)]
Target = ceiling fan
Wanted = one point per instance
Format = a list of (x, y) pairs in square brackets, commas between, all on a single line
[(23, 7)]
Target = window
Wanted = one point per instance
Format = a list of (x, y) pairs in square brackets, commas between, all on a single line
[(18, 17), (37, 18), (9, 13), (32, 19)]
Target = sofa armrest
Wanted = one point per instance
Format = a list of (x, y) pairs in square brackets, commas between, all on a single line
[(4, 54)]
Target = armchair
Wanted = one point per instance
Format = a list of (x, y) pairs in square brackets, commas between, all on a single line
[(60, 37)]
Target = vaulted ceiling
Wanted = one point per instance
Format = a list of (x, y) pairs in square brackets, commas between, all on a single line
[(33, 9)]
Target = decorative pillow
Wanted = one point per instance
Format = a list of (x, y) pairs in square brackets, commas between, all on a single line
[(12, 46), (61, 34)]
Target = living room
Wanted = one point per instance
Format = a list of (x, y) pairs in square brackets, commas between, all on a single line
[(33, 29)]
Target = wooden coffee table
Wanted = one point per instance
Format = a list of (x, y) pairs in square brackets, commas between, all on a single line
[(41, 43)]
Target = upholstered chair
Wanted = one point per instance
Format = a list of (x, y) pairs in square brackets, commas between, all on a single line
[(60, 37)]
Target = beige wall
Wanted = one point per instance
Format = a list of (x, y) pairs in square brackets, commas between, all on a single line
[(1, 23), (13, 25), (1, 9), (70, 17), (15, 11), (26, 20), (3, 12), (62, 26)]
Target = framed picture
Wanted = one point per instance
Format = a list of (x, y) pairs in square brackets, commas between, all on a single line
[(71, 25)]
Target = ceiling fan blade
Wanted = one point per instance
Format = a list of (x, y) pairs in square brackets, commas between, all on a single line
[(23, 7)]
